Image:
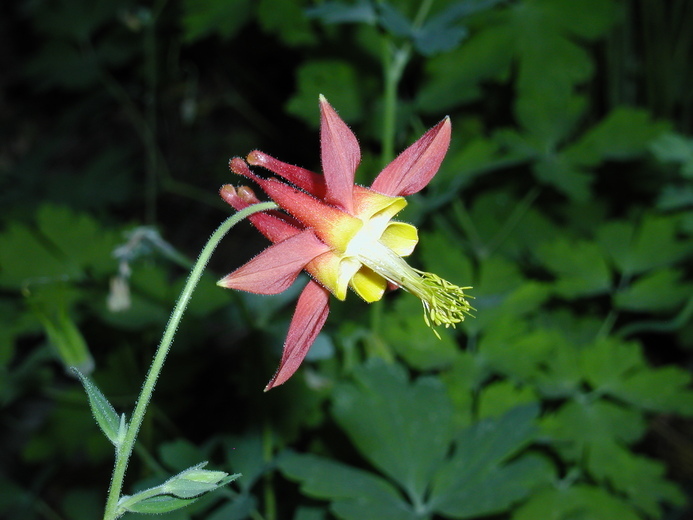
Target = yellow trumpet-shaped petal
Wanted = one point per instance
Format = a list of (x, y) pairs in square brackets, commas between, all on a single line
[(368, 284), (400, 237)]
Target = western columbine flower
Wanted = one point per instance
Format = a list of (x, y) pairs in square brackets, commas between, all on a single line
[(340, 233)]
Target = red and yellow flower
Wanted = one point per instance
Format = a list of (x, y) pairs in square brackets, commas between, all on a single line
[(341, 233)]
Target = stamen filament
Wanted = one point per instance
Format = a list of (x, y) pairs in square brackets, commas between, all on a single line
[(444, 303)]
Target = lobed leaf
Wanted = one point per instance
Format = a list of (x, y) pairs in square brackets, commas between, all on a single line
[(221, 17), (579, 266), (577, 501), (654, 243), (403, 429), (355, 494), (639, 478), (476, 481), (336, 79), (657, 291), (580, 424)]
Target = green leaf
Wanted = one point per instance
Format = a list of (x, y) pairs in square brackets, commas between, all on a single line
[(78, 237), (160, 504), (222, 17), (240, 508), (404, 429), (393, 21), (550, 65), (569, 179), (336, 80), (245, 456), (462, 380), (676, 197), (468, 158), (578, 424), (50, 305), (104, 413), (616, 238), (17, 243), (286, 19), (619, 369), (575, 502), (444, 31), (652, 244), (499, 291), (665, 389), (180, 454), (362, 11), (62, 245), (624, 133), (310, 513), (355, 494), (476, 481), (579, 266), (457, 76), (641, 479), (675, 148), (671, 147), (559, 375), (404, 329), (606, 361), (502, 396), (657, 291), (514, 350), (454, 265)]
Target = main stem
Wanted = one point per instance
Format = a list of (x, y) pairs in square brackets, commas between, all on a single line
[(395, 60), (124, 451)]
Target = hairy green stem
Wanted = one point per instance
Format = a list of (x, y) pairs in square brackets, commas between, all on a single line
[(124, 451), (395, 61)]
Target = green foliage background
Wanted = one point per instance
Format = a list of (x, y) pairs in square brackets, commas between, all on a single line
[(565, 201)]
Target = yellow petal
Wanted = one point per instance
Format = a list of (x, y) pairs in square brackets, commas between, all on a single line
[(368, 285), (333, 272), (370, 205), (400, 237)]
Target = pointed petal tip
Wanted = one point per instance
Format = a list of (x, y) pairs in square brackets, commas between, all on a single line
[(222, 282)]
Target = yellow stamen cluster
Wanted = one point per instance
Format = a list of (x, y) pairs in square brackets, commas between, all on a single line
[(444, 303)]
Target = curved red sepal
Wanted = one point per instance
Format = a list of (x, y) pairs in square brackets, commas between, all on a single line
[(414, 168), (340, 155), (300, 177), (276, 268), (310, 316)]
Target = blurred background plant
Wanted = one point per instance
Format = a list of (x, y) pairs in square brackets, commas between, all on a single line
[(565, 200)]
